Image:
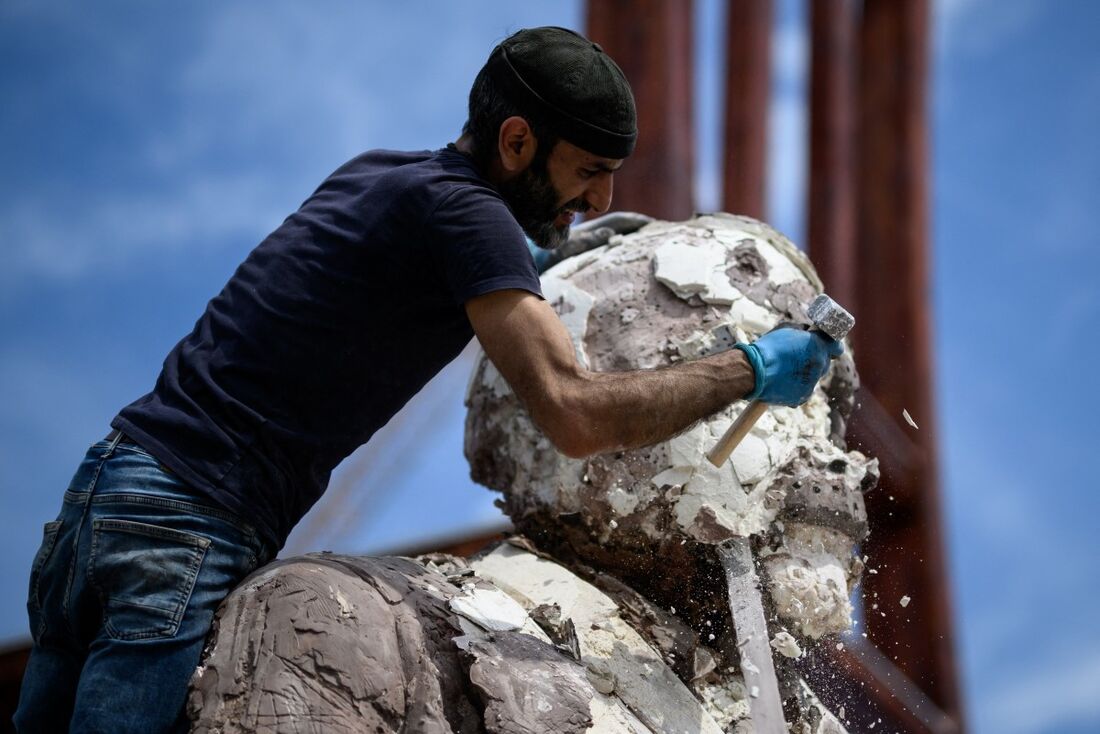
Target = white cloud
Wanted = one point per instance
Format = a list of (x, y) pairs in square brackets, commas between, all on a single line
[(261, 104)]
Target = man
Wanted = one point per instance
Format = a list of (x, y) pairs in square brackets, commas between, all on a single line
[(323, 333)]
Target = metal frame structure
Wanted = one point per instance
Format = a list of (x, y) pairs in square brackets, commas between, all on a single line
[(867, 218)]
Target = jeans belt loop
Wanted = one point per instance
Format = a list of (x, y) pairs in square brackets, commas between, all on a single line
[(115, 437)]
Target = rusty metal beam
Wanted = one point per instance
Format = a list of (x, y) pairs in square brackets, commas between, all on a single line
[(832, 203), (748, 79), (651, 40), (892, 347)]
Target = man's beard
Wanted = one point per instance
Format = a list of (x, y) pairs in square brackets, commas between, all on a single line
[(534, 202)]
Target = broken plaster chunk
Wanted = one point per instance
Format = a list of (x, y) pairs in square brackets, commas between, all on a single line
[(904, 601), (780, 268), (491, 609), (719, 290), (686, 450), (807, 578), (909, 419), (628, 314), (753, 319), (751, 459), (785, 644), (676, 476), (686, 268)]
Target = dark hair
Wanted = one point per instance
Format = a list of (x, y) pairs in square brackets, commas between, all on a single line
[(489, 108)]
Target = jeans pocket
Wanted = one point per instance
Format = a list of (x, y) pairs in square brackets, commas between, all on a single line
[(144, 575), (34, 602)]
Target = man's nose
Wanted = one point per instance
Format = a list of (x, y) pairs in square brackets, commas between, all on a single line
[(598, 194)]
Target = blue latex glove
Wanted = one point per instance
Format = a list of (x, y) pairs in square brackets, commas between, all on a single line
[(788, 362)]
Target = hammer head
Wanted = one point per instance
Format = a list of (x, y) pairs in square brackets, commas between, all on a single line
[(830, 317)]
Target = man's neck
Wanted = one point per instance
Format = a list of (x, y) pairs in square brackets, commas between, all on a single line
[(492, 172)]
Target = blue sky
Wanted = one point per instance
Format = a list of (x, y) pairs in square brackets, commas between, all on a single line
[(145, 150)]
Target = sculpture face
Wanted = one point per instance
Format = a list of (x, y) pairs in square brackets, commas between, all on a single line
[(667, 293)]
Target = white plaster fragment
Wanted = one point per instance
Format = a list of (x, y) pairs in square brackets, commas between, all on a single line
[(780, 268), (346, 609), (492, 609), (904, 601), (909, 419), (752, 318), (628, 314), (720, 291), (685, 267), (751, 460), (676, 476), (785, 644)]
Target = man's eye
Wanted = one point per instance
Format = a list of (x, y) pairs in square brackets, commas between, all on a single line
[(585, 173)]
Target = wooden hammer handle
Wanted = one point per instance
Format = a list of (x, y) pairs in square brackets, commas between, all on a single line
[(735, 433)]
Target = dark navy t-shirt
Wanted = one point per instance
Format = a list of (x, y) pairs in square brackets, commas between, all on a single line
[(327, 329)]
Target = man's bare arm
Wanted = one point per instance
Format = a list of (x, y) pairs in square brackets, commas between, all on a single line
[(584, 412)]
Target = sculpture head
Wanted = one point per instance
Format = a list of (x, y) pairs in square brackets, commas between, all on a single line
[(670, 292)]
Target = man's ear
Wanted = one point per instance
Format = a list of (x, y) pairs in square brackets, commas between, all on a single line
[(516, 145)]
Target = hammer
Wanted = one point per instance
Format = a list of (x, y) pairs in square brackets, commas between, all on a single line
[(828, 317)]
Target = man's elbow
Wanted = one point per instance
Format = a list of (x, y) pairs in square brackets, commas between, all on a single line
[(565, 423), (573, 443)]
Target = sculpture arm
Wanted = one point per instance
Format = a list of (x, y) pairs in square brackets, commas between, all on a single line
[(584, 412)]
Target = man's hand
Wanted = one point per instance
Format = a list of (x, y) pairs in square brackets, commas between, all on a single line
[(590, 234), (788, 362)]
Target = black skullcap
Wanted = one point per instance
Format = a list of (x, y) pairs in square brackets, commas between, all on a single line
[(577, 88)]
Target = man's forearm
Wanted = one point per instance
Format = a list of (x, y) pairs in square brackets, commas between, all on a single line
[(621, 410)]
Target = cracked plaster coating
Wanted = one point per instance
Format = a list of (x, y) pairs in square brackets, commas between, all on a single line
[(350, 644), (338, 643), (669, 292)]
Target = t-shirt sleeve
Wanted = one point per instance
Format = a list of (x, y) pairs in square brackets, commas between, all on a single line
[(479, 247)]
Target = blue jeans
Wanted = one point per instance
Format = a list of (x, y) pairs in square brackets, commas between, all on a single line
[(123, 591)]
